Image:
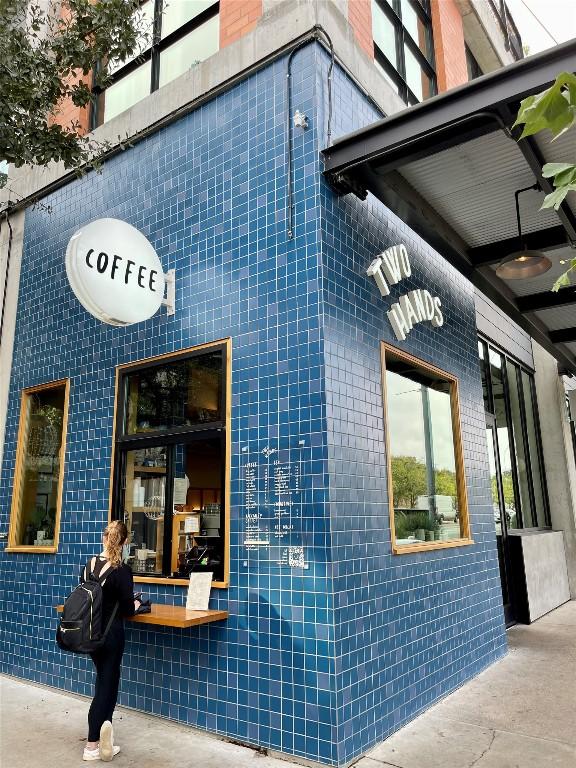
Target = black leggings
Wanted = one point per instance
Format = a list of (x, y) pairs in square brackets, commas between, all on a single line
[(107, 662)]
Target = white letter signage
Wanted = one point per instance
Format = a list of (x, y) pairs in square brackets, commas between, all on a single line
[(115, 272), (419, 305)]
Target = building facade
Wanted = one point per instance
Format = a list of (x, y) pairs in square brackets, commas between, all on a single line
[(316, 443)]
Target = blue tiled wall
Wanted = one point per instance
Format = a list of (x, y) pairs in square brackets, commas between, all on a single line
[(408, 628), (319, 662)]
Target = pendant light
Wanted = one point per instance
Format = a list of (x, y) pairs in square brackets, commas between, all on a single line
[(523, 263)]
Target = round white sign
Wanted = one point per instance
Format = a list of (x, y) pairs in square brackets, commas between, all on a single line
[(115, 272)]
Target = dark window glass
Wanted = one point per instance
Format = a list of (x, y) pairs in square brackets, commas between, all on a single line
[(509, 394), (402, 33), (171, 460), (176, 394), (485, 373), (502, 428), (522, 462), (532, 433)]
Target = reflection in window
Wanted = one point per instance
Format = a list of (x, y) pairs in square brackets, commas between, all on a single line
[(171, 459), (428, 492), (403, 49), (522, 461), (509, 396), (176, 36), (37, 483), (125, 93), (178, 394), (189, 51), (532, 432)]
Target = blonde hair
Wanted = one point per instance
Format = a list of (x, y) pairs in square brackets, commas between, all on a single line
[(115, 535)]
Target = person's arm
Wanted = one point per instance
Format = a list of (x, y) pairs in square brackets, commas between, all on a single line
[(127, 604)]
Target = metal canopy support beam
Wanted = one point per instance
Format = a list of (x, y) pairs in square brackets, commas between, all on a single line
[(563, 336), (542, 240), (451, 115), (546, 300)]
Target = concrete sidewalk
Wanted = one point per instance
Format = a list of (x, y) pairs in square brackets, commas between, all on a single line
[(517, 714)]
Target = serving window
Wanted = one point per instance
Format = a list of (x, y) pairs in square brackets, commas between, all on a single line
[(37, 491), (426, 482), (171, 462)]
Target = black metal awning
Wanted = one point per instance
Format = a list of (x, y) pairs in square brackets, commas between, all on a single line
[(449, 168)]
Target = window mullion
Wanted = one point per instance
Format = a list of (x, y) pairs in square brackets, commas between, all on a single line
[(168, 512), (157, 36)]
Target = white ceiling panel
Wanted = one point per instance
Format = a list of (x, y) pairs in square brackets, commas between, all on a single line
[(559, 317), (472, 187)]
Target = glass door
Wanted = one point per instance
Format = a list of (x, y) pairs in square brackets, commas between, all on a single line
[(501, 515)]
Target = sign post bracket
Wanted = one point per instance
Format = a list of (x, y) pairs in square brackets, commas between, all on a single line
[(170, 301)]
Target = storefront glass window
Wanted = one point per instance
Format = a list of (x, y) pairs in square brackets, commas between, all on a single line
[(532, 432), (174, 395), (522, 461), (170, 477), (509, 397), (425, 466), (38, 477), (403, 49)]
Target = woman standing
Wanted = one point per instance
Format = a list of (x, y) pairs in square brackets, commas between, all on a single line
[(117, 588)]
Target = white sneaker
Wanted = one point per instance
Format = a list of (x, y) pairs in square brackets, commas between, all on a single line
[(94, 754), (107, 749)]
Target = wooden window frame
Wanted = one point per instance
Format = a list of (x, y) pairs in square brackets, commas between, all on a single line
[(121, 370), (465, 538), (19, 469)]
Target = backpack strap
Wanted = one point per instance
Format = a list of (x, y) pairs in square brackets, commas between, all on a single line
[(93, 571)]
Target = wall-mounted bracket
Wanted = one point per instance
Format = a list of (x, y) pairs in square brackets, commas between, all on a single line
[(170, 301)]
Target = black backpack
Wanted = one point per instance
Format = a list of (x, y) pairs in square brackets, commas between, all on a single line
[(80, 629)]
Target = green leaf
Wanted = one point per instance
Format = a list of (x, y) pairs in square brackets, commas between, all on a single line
[(562, 282), (565, 178), (554, 199), (551, 169)]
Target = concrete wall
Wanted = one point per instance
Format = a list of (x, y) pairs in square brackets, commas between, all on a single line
[(282, 22), (493, 323), (545, 570), (558, 453), (484, 36), (9, 299)]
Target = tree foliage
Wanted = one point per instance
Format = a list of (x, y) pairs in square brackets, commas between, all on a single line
[(49, 53), (554, 110)]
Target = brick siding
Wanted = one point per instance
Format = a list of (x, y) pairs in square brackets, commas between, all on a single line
[(237, 18), (360, 18), (449, 48)]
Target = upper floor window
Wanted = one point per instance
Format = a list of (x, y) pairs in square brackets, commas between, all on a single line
[(176, 36), (403, 47)]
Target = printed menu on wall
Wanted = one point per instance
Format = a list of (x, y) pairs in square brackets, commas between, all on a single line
[(272, 502)]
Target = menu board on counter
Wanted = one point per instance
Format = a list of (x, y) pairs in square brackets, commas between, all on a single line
[(272, 503)]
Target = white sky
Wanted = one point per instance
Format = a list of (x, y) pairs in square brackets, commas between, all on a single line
[(557, 16)]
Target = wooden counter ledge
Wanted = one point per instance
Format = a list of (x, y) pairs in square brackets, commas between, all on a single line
[(173, 616)]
